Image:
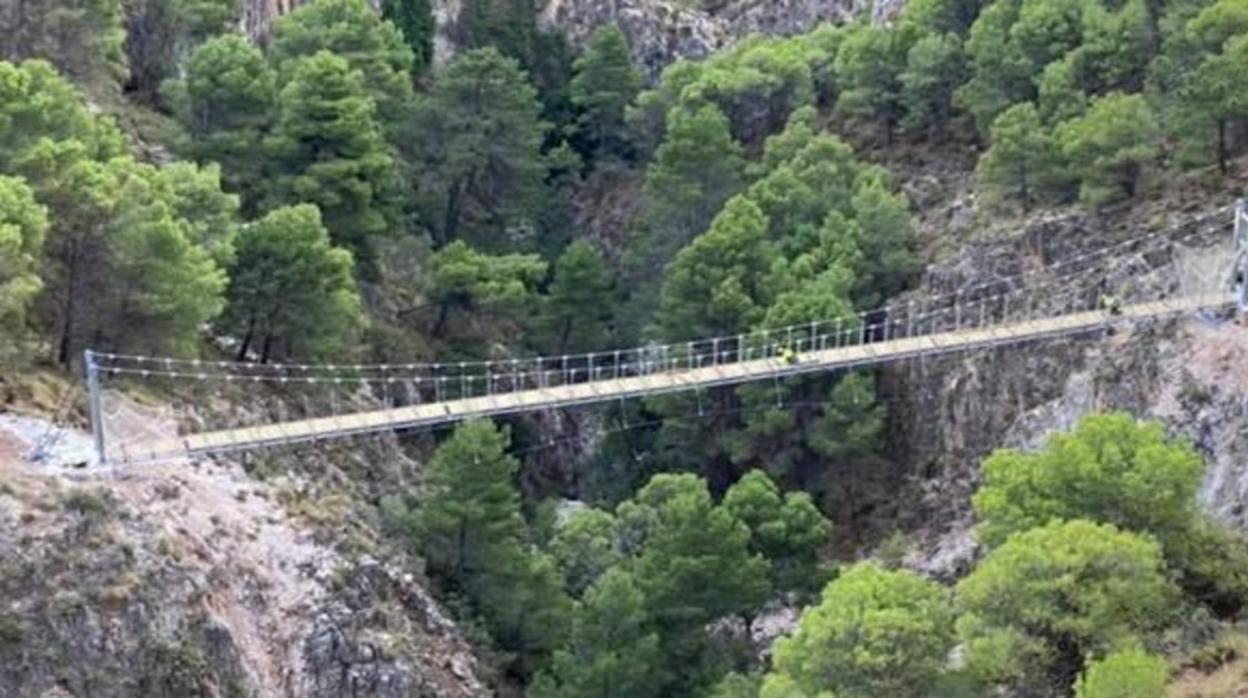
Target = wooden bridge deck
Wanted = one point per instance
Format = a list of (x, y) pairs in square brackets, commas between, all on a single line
[(605, 390)]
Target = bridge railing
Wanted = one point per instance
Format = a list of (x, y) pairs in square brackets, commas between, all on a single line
[(309, 390), (423, 383)]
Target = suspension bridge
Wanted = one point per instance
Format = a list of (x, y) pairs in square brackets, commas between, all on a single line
[(1196, 277)]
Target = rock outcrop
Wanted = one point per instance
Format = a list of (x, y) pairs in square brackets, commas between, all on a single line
[(256, 17), (948, 413), (659, 31), (662, 31), (195, 579)]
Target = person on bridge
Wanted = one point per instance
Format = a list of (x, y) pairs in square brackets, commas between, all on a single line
[(1111, 304), (787, 355)]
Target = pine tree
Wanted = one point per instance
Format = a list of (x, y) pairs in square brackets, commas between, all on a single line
[(414, 18), (1116, 47), (159, 34), (1113, 469), (121, 270), (584, 548), (1213, 109), (471, 533), (868, 64), (942, 16), (1048, 598), (327, 149), (579, 305), (888, 260), (1001, 74), (935, 68), (481, 142), (121, 266), (876, 632), (848, 437), (696, 169), (1060, 94), (605, 83), (525, 609), (23, 224), (36, 103), (1023, 163), (200, 19), (715, 286), (470, 505), (1129, 672), (354, 31), (210, 213), (1111, 146), (500, 287), (1216, 23), (291, 293), (226, 103), (1110, 469), (695, 566), (787, 531), (613, 652), (84, 38)]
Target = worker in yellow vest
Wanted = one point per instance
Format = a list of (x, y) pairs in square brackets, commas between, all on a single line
[(787, 355), (1111, 304)]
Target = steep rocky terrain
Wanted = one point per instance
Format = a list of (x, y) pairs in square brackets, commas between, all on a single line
[(267, 575), (951, 412), (196, 579), (661, 31)]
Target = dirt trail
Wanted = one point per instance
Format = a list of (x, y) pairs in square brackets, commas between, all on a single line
[(265, 575)]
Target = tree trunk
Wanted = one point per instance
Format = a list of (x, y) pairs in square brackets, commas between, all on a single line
[(1223, 154), (68, 307), (450, 220), (565, 335), (1069, 662), (245, 346), (267, 348), (1130, 182), (444, 312), (1024, 189), (461, 545)]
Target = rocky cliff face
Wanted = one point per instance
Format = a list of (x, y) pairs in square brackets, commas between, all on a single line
[(662, 31), (659, 31), (195, 579), (1189, 372), (256, 17)]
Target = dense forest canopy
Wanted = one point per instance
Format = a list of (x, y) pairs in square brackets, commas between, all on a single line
[(330, 195)]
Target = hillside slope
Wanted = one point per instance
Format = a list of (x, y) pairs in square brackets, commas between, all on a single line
[(194, 579)]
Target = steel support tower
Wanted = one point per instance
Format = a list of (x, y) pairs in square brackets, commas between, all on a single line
[(1239, 269)]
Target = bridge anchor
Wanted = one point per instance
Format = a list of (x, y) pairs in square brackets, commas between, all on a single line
[(93, 400), (1239, 269)]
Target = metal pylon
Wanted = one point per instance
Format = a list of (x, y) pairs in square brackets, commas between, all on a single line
[(93, 401), (1239, 268)]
